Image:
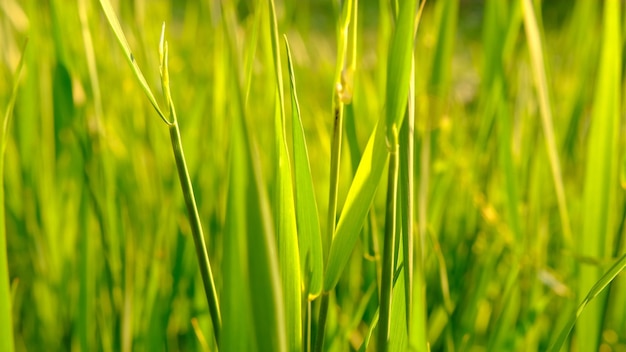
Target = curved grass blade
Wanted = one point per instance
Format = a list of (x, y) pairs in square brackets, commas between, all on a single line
[(179, 156), (6, 320), (375, 156), (121, 38), (596, 290), (307, 216), (263, 270)]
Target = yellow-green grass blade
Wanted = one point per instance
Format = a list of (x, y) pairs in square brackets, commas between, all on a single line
[(181, 165), (601, 179), (6, 313), (372, 165), (342, 94), (406, 196), (307, 216), (533, 39), (121, 38), (237, 334), (447, 18), (593, 293), (398, 338), (286, 233), (263, 269)]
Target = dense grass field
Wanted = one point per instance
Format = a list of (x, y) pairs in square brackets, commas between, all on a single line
[(282, 175)]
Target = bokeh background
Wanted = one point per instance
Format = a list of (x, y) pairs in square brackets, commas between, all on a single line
[(99, 248)]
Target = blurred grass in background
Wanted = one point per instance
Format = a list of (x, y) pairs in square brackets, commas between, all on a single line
[(100, 254)]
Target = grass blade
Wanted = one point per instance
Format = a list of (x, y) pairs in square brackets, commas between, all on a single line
[(386, 285), (179, 156), (6, 313), (539, 72), (263, 269), (601, 174), (309, 233), (284, 207), (341, 95), (375, 156), (121, 38)]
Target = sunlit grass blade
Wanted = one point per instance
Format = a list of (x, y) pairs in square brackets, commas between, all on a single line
[(268, 314), (533, 38), (375, 156), (6, 313), (601, 174), (341, 96), (595, 291), (285, 215), (309, 233), (237, 332), (179, 157), (121, 38)]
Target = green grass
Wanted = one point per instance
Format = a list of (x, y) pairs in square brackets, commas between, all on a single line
[(322, 175)]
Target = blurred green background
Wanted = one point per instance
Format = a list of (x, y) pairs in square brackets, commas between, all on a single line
[(98, 243)]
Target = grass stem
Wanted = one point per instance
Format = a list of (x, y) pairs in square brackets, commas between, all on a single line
[(386, 286)]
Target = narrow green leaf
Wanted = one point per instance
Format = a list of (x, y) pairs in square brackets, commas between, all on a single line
[(237, 332), (307, 216), (263, 269), (601, 173), (6, 314), (375, 156), (407, 193), (121, 38), (539, 72), (595, 291), (284, 207), (264, 277)]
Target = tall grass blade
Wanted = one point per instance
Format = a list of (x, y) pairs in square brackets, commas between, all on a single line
[(237, 332), (266, 294), (341, 96), (6, 313), (601, 173), (285, 215), (309, 233), (179, 156), (375, 156), (539, 72)]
